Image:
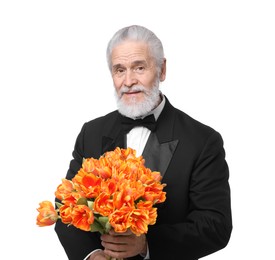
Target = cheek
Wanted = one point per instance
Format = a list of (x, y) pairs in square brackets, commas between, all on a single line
[(149, 79), (117, 84), (148, 82)]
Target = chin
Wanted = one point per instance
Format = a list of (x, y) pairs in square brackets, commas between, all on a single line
[(135, 109), (133, 99), (139, 104)]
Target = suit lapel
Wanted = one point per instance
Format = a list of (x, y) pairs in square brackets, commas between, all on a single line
[(161, 144), (109, 143), (158, 155), (113, 135)]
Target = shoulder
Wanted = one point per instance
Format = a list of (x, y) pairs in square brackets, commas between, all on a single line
[(89, 140), (189, 129), (192, 124), (185, 122), (112, 116), (100, 125)]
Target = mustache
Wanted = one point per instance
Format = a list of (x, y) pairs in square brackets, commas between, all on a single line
[(136, 88)]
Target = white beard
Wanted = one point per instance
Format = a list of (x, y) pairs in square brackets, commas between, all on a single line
[(138, 109)]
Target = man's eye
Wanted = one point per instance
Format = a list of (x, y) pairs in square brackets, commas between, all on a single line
[(119, 71), (139, 69)]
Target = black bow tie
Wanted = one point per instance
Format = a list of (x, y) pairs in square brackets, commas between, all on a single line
[(148, 121)]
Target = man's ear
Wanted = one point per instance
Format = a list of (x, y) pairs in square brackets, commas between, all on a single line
[(163, 71)]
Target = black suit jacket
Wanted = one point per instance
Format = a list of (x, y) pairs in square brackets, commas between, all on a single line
[(195, 220)]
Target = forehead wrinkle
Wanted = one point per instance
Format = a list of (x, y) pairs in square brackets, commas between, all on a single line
[(130, 52), (129, 58), (132, 64)]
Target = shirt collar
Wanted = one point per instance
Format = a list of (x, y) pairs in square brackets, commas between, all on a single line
[(157, 111)]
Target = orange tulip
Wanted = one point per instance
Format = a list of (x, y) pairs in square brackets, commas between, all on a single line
[(152, 212), (89, 165), (64, 189), (103, 204), (90, 185), (82, 217), (119, 219), (139, 220), (154, 193), (47, 215), (65, 214), (109, 186)]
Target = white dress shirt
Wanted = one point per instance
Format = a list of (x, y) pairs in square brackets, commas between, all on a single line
[(138, 136)]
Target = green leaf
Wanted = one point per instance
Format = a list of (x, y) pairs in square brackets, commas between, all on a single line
[(96, 226), (107, 227), (90, 204), (82, 201), (104, 221), (58, 204)]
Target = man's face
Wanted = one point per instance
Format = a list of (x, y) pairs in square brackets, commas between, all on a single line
[(133, 66)]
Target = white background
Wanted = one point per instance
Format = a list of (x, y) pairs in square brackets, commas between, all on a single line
[(54, 77)]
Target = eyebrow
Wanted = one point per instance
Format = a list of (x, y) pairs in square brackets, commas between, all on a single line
[(134, 63), (138, 62), (116, 66)]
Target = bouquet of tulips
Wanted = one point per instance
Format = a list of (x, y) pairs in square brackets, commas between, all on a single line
[(115, 191)]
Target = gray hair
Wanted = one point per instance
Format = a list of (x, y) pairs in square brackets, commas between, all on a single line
[(137, 33)]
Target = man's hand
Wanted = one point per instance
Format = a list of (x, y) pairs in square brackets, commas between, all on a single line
[(123, 245)]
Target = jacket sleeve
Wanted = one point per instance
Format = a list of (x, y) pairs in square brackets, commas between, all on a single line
[(207, 225), (77, 243)]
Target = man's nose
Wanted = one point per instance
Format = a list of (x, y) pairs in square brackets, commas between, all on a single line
[(130, 78)]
